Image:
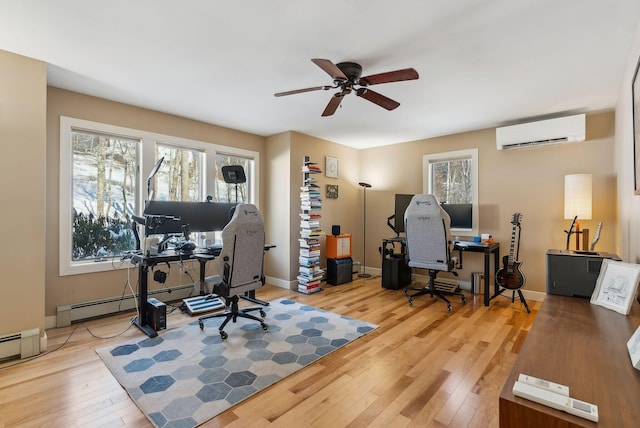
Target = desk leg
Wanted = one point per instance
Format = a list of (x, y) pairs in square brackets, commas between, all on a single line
[(487, 275), (203, 267), (496, 267), (141, 321)]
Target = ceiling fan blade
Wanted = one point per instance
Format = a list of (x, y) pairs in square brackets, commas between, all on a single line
[(333, 105), (377, 98), (390, 76), (330, 68), (299, 91)]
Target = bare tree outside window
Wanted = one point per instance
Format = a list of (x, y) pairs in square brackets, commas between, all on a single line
[(104, 194), (180, 176), (452, 181)]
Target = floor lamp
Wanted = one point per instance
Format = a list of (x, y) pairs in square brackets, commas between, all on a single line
[(364, 230)]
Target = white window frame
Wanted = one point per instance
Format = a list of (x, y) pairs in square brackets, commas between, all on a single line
[(147, 160), (428, 160)]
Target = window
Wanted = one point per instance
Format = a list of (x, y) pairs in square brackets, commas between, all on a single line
[(453, 178), (229, 192), (181, 177), (104, 194), (104, 173)]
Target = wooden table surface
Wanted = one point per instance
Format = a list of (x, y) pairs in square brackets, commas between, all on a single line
[(583, 346)]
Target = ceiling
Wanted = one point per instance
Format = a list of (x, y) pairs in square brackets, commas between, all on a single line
[(482, 63)]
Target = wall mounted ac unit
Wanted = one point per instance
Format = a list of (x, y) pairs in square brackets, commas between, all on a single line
[(550, 131)]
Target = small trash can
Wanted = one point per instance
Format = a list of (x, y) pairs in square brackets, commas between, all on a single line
[(477, 283)]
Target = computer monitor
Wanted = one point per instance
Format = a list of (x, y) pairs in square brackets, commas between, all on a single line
[(402, 201), (461, 215), (197, 216)]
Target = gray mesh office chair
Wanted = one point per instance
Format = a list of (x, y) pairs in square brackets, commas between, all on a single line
[(239, 267), (429, 245)]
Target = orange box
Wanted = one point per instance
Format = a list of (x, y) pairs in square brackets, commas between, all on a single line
[(338, 247)]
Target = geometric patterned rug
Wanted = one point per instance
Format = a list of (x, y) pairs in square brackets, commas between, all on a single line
[(186, 376)]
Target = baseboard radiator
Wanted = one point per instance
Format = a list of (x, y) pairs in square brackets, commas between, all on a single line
[(81, 311), (20, 345)]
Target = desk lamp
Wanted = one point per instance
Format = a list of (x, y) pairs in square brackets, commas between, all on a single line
[(364, 230), (577, 203)]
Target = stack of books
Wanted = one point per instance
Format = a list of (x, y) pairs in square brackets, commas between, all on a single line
[(309, 272)]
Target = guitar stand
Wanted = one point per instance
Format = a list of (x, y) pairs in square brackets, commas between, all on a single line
[(513, 297)]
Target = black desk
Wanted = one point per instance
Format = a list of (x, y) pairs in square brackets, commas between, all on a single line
[(487, 250), (144, 262)]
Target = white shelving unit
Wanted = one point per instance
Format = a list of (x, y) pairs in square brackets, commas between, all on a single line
[(309, 272)]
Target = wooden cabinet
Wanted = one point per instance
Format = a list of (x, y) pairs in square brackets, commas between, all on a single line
[(338, 246)]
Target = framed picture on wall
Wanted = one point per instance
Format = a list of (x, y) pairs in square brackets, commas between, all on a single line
[(332, 191), (635, 89), (331, 167), (616, 285)]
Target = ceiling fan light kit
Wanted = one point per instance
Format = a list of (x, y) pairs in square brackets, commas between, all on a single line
[(347, 78)]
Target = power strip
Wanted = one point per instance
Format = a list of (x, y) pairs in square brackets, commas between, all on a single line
[(556, 401), (544, 384)]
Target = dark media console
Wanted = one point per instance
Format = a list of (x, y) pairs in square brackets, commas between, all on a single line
[(574, 273)]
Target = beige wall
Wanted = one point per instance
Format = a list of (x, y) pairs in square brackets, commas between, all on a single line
[(23, 95), (81, 288), (529, 180), (278, 203), (526, 180), (345, 210)]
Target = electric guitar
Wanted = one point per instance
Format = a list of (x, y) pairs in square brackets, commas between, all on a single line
[(510, 276), (596, 236)]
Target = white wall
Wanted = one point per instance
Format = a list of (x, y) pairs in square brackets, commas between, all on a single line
[(628, 204)]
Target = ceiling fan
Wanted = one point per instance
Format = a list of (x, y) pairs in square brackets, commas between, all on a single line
[(346, 77)]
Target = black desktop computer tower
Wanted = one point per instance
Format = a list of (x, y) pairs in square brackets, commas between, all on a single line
[(396, 273), (156, 314), (339, 271)]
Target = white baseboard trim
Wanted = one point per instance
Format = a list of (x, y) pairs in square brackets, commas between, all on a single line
[(282, 283), (80, 311)]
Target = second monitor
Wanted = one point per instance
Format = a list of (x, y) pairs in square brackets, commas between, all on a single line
[(461, 215)]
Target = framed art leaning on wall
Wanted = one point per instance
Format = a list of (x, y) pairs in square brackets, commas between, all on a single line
[(616, 285)]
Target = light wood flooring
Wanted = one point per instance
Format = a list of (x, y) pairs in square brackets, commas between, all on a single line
[(422, 367)]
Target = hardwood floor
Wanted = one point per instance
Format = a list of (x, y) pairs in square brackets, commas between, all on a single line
[(422, 367)]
